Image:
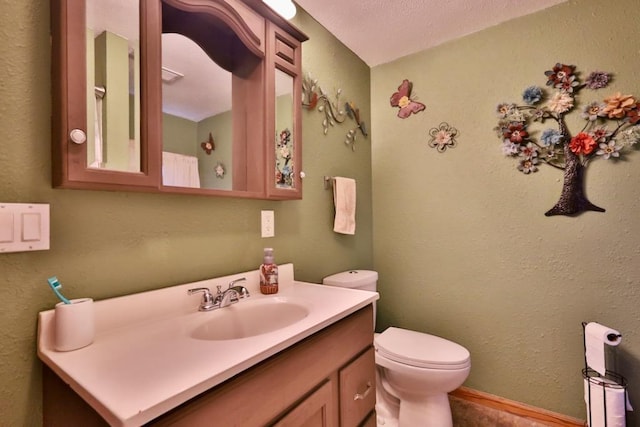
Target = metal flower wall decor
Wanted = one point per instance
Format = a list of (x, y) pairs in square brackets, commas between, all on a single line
[(611, 127), (442, 137), (219, 170), (314, 96)]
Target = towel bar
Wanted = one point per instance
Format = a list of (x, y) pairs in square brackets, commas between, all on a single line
[(328, 180)]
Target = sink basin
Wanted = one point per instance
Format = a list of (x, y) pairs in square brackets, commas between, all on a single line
[(249, 318)]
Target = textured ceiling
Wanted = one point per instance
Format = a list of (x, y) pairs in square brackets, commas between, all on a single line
[(380, 31)]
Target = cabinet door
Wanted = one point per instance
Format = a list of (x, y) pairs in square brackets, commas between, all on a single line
[(314, 411), (283, 115), (357, 389), (103, 137)]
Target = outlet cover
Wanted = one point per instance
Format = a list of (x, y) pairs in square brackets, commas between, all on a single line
[(268, 225)]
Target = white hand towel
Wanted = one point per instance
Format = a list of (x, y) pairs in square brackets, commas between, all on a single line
[(344, 198)]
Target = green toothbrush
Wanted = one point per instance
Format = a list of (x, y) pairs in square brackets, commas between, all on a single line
[(55, 285)]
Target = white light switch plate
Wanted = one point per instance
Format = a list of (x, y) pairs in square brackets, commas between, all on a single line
[(268, 225), (24, 227)]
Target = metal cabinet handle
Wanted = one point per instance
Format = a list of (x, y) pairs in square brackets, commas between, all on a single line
[(362, 396)]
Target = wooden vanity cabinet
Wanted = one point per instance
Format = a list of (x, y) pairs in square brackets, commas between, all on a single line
[(313, 383)]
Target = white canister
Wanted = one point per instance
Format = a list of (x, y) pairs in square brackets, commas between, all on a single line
[(74, 324)]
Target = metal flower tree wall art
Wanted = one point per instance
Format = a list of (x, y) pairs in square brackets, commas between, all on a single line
[(611, 128), (314, 97)]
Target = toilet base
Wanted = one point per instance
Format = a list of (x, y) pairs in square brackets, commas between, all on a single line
[(387, 405), (433, 411), (409, 410)]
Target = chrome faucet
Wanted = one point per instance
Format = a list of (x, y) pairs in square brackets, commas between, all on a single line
[(229, 296)]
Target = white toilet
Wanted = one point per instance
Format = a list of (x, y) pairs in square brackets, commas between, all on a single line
[(415, 371)]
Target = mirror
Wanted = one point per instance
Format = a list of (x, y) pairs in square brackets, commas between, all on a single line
[(208, 75), (113, 85), (197, 132), (284, 156)]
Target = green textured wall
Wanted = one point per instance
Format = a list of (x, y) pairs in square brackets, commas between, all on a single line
[(179, 135), (460, 238), (220, 127), (105, 244)]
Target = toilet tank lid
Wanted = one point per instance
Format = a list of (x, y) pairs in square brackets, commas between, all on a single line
[(351, 278)]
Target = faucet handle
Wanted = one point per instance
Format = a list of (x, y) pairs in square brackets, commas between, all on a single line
[(233, 282), (207, 302), (205, 291), (240, 290)]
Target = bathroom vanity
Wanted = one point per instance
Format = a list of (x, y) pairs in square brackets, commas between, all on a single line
[(157, 360)]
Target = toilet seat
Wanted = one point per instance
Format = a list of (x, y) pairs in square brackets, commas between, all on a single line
[(421, 350)]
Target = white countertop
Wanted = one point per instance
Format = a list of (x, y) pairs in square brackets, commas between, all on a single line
[(143, 362)]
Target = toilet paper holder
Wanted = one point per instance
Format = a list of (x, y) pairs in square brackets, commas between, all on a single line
[(609, 380)]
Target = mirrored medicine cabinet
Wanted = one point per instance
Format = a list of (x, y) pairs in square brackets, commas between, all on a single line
[(176, 96)]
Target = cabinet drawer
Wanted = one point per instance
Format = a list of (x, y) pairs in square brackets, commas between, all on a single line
[(357, 389)]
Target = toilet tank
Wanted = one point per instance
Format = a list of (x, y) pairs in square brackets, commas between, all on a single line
[(365, 280)]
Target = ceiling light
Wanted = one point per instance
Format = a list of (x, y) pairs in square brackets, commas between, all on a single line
[(284, 8)]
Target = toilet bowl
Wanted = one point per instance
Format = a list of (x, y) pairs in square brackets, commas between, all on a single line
[(414, 370)]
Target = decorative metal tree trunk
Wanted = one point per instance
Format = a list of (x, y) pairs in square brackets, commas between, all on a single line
[(572, 199)]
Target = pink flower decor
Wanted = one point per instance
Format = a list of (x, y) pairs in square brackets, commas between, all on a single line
[(597, 80)]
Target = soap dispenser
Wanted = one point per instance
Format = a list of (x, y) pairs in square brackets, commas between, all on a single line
[(268, 273)]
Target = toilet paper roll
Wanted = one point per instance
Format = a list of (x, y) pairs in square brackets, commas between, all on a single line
[(596, 389), (596, 336)]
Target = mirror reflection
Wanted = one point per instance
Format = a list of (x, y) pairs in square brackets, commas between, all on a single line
[(213, 99), (196, 120), (285, 167), (113, 85)]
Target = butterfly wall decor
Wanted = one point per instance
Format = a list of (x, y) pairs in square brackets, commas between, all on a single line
[(402, 99), (208, 145)]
